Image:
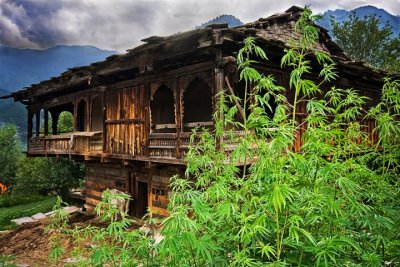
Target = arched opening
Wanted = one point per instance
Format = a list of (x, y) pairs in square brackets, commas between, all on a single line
[(96, 116), (62, 118), (197, 101), (81, 116), (162, 109), (65, 122)]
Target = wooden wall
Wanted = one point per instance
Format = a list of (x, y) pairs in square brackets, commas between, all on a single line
[(125, 120), (132, 179)]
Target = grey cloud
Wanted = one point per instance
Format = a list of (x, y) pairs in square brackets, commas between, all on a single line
[(121, 24)]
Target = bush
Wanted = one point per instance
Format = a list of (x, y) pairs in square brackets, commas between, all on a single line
[(10, 213), (48, 176), (13, 200)]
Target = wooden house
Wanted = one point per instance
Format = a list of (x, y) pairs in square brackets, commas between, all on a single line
[(133, 113)]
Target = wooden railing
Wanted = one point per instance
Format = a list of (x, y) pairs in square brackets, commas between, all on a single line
[(77, 143), (160, 145), (164, 145)]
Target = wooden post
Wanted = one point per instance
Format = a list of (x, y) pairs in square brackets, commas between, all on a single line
[(146, 104), (46, 122), (177, 91), (37, 115), (54, 121), (87, 120), (75, 116), (30, 124), (218, 87), (104, 110)]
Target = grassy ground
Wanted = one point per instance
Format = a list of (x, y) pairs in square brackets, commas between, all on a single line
[(9, 213)]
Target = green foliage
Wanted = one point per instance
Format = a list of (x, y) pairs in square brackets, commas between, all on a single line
[(65, 122), (58, 224), (14, 212), (364, 40), (5, 261), (10, 152), (110, 245), (48, 176), (13, 200)]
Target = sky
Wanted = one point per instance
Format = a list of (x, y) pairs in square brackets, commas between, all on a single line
[(121, 24)]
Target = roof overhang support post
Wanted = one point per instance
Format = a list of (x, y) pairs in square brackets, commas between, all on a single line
[(46, 122), (37, 116)]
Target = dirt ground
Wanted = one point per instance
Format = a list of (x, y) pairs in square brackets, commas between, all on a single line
[(29, 244)]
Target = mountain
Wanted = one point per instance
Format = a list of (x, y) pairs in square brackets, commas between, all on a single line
[(22, 67), (232, 21), (343, 15), (12, 112)]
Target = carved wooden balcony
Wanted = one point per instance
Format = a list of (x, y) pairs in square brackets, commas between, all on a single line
[(79, 143)]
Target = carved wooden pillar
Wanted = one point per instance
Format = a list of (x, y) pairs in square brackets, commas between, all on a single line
[(54, 121), (75, 116), (37, 115), (147, 119), (89, 104), (30, 124), (104, 109), (87, 120), (46, 122), (178, 116)]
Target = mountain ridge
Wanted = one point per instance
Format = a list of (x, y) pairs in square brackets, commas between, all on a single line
[(341, 15), (22, 67)]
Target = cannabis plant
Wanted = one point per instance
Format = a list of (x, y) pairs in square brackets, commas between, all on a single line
[(330, 198), (254, 194)]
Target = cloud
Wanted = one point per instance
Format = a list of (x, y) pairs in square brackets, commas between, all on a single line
[(121, 24)]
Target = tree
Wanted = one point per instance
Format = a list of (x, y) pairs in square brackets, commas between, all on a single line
[(65, 122), (10, 152), (48, 176), (364, 40)]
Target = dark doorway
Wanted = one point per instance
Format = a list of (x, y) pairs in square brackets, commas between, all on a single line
[(139, 193), (142, 199)]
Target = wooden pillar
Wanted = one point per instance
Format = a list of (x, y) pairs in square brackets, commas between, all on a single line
[(46, 122), (218, 87), (30, 124), (104, 109), (147, 122), (87, 120), (178, 122), (75, 116), (54, 121), (37, 115)]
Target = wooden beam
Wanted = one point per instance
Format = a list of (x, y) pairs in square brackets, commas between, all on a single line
[(125, 121)]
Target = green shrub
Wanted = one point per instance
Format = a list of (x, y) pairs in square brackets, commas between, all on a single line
[(13, 200), (48, 176), (9, 213)]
